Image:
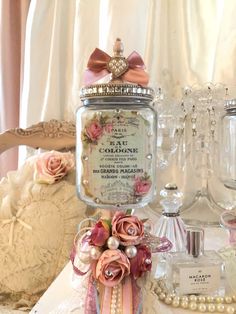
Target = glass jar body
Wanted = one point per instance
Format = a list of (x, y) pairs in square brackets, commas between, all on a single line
[(227, 149), (116, 153)]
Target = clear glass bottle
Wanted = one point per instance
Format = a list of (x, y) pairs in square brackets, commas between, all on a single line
[(195, 271), (227, 145), (170, 224), (116, 144)]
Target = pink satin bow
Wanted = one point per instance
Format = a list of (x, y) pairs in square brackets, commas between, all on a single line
[(97, 68)]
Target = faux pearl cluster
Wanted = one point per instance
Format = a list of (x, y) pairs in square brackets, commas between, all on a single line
[(195, 303), (117, 66), (113, 244)]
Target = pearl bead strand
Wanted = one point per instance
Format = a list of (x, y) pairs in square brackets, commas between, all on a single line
[(116, 300), (203, 304)]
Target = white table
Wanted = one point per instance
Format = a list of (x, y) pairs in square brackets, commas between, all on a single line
[(56, 298)]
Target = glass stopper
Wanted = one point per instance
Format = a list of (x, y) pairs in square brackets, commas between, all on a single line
[(171, 198)]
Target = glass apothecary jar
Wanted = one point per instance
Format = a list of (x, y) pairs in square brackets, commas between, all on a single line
[(227, 145), (116, 146)]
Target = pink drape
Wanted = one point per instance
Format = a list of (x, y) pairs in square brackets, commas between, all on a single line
[(13, 15)]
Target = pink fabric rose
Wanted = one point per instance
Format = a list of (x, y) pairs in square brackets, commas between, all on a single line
[(112, 267), (142, 186), (141, 262), (128, 229), (94, 131), (100, 233), (53, 166)]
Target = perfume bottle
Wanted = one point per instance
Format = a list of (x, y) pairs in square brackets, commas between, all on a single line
[(195, 271), (116, 135), (170, 224)]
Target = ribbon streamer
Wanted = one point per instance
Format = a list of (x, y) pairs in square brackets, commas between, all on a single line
[(79, 267), (129, 295), (91, 306), (157, 244), (97, 68)]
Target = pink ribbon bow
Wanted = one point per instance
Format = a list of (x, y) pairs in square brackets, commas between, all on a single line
[(97, 68)]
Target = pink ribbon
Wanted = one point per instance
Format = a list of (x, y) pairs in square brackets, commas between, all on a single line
[(127, 296), (106, 300), (130, 297), (90, 301), (97, 68)]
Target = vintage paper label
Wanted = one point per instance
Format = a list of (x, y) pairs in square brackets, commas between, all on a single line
[(117, 157), (199, 280)]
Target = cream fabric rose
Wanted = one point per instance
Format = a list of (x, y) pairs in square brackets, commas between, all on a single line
[(53, 166)]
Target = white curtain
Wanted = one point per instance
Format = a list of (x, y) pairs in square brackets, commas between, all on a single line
[(181, 41)]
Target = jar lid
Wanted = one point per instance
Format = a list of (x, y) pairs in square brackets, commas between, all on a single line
[(121, 90), (230, 104), (128, 75)]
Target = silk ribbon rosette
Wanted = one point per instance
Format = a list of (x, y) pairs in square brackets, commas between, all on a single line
[(132, 70), (115, 253)]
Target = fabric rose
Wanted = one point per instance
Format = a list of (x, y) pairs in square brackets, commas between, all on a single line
[(53, 166), (128, 229), (108, 127), (112, 267), (142, 186), (94, 130), (100, 233), (141, 262)]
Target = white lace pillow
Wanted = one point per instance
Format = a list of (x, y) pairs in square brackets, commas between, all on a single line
[(37, 225)]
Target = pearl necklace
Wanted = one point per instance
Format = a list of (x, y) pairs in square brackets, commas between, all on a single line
[(200, 303)]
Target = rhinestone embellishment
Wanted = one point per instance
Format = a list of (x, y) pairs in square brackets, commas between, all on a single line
[(103, 90), (117, 66), (131, 231), (148, 261), (108, 273)]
